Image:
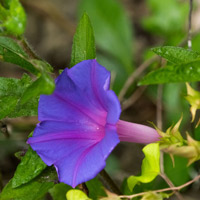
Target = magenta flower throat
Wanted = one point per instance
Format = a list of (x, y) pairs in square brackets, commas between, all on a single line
[(79, 122)]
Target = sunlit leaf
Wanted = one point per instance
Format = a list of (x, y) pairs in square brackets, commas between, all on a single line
[(150, 166), (75, 194), (155, 196), (193, 97)]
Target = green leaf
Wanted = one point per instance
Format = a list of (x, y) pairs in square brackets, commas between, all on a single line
[(58, 192), (30, 166), (29, 108), (150, 166), (3, 14), (96, 189), (75, 194), (171, 74), (175, 172), (177, 103), (6, 3), (42, 65), (195, 42), (13, 19), (11, 90), (84, 43), (33, 190), (177, 55), (7, 105), (11, 52), (20, 97), (155, 196), (112, 28), (43, 85)]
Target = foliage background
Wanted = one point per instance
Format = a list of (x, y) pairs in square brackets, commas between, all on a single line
[(133, 27)]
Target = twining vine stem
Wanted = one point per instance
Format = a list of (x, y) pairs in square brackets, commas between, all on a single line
[(107, 181), (190, 25), (159, 106), (1, 182), (134, 75), (159, 125), (162, 190), (28, 49), (146, 64), (84, 188), (133, 98)]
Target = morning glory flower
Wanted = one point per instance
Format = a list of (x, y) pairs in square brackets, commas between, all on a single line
[(79, 124)]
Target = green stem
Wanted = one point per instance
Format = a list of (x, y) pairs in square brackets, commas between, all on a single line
[(190, 25), (108, 182), (28, 49), (1, 182)]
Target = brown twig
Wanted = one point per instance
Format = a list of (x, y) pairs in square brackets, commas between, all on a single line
[(162, 190), (144, 66), (134, 75), (159, 125), (171, 185), (84, 188), (133, 98), (4, 130)]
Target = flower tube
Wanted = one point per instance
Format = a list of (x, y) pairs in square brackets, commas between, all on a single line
[(79, 124)]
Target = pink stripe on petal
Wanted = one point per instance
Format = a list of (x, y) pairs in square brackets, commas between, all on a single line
[(96, 135), (137, 133)]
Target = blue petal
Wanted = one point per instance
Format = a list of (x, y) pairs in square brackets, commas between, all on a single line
[(77, 130), (77, 158), (89, 162), (68, 102), (84, 90), (94, 80)]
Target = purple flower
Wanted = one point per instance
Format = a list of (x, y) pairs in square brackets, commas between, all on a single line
[(79, 124)]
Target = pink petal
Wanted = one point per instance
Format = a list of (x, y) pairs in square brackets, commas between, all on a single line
[(132, 132)]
